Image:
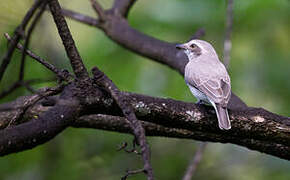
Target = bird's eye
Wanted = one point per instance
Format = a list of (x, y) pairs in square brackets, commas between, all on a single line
[(193, 46)]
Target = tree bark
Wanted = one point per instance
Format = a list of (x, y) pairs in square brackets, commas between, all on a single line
[(254, 128)]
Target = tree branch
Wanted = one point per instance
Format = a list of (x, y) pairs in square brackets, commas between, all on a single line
[(68, 42), (119, 124), (27, 39), (186, 130), (123, 7), (254, 128), (198, 34), (18, 33), (81, 17), (229, 28), (41, 128), (194, 162), (18, 84), (99, 10), (101, 79), (62, 74)]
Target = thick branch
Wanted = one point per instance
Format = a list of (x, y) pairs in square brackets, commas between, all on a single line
[(119, 124), (254, 128), (19, 110), (40, 129)]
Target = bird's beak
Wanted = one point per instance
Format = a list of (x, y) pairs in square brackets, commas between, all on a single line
[(180, 46)]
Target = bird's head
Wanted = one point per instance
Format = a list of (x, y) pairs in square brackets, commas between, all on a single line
[(196, 48)]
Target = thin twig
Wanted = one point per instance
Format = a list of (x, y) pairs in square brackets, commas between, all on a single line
[(81, 17), (194, 162), (26, 84), (103, 81), (124, 146), (28, 87), (133, 172), (68, 42), (229, 28), (17, 85), (18, 33), (27, 39), (10, 89), (60, 73), (198, 34), (99, 10)]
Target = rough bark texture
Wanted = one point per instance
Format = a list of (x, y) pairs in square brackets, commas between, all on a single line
[(254, 128), (41, 128)]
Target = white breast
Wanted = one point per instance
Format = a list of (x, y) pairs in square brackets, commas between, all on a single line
[(198, 94)]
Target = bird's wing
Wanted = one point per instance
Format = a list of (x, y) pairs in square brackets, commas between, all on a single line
[(212, 80), (217, 90)]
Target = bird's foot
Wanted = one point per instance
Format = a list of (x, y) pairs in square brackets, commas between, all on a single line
[(200, 102)]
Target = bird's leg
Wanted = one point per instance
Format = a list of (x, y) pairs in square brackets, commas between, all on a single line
[(200, 102)]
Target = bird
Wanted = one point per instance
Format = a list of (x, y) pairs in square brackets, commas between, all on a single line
[(207, 78)]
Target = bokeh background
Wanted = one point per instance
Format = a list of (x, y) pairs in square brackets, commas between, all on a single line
[(259, 69)]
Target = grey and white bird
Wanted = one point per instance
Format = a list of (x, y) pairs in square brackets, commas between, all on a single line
[(207, 78)]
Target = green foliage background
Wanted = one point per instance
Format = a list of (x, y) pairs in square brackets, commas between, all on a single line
[(259, 71)]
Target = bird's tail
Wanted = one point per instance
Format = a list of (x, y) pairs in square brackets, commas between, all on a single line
[(223, 117)]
